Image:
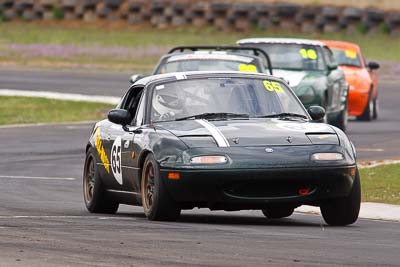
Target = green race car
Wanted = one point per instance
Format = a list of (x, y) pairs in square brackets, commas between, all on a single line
[(310, 69), (223, 141)]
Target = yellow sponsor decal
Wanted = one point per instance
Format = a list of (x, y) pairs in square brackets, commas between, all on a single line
[(350, 54), (100, 149), (308, 53), (247, 68), (273, 86)]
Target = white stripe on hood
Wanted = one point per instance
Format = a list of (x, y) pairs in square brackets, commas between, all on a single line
[(215, 132)]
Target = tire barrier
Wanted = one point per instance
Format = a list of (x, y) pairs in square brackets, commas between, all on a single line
[(223, 15)]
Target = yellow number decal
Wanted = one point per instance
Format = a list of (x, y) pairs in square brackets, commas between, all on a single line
[(303, 53), (247, 68), (268, 86), (277, 87), (350, 54), (308, 54), (273, 86), (311, 54)]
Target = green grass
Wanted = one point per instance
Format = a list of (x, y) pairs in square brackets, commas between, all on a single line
[(381, 184), (379, 47), (21, 110)]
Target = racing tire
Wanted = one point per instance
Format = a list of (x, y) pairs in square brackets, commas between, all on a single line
[(376, 109), (345, 210), (277, 213), (368, 112), (93, 189), (157, 204), (342, 120)]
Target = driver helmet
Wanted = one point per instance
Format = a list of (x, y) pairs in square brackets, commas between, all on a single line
[(168, 102)]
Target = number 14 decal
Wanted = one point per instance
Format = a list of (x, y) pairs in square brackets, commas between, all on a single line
[(308, 53)]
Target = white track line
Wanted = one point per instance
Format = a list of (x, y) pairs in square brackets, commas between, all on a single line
[(66, 124), (36, 177), (370, 149), (61, 96), (376, 163)]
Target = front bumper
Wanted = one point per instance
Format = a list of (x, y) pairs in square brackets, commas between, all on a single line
[(257, 188)]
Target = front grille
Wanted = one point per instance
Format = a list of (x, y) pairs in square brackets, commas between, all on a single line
[(271, 189)]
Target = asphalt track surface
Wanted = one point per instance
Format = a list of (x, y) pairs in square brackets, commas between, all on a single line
[(43, 221)]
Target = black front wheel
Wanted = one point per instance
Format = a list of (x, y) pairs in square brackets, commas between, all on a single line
[(345, 210), (376, 108), (342, 120), (93, 189), (368, 112), (157, 204)]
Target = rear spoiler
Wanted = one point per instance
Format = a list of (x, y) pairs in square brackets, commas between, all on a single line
[(256, 51)]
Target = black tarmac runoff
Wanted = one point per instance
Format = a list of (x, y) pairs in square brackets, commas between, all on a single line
[(43, 220)]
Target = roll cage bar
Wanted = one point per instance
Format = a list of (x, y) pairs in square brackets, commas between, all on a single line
[(256, 51)]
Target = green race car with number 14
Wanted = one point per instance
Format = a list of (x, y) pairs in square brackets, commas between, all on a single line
[(311, 70)]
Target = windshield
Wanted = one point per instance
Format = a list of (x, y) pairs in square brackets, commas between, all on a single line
[(294, 56), (208, 65), (347, 57), (243, 97)]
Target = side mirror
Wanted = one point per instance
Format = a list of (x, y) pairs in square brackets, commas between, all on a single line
[(136, 77), (373, 65), (316, 112), (119, 116), (332, 66)]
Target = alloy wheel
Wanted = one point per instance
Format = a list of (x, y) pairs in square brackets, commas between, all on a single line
[(89, 180)]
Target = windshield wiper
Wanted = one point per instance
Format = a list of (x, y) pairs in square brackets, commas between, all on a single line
[(284, 115), (215, 115)]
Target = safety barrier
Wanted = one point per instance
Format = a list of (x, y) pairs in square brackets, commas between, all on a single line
[(232, 15)]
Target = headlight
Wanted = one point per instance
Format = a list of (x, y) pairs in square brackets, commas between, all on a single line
[(327, 156), (209, 160)]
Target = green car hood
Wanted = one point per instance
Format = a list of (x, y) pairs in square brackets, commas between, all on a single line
[(249, 133)]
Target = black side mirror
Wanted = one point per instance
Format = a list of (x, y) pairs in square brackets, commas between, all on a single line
[(373, 65), (332, 66), (119, 116), (136, 77), (316, 112)]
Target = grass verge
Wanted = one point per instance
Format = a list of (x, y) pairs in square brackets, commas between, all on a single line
[(121, 46), (21, 110), (381, 184)]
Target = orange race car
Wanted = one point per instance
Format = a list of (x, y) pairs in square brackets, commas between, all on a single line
[(361, 77)]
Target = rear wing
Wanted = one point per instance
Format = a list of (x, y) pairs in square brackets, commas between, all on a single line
[(256, 51)]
